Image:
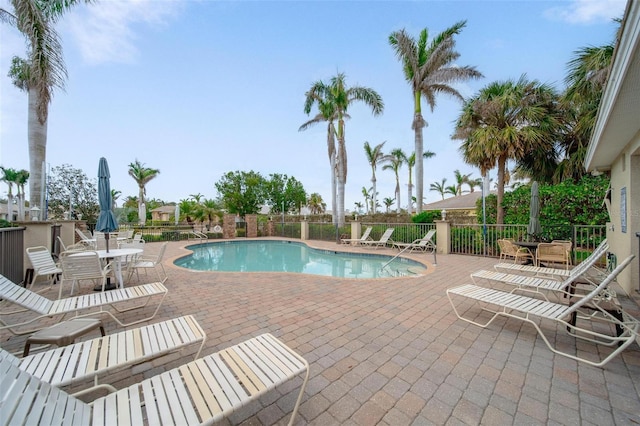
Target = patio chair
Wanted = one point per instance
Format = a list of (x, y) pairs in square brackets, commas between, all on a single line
[(83, 266), (598, 252), (85, 239), (151, 262), (356, 241), (203, 391), (499, 303), (508, 249), (43, 264), (382, 242), (537, 283), (120, 300), (553, 253), (96, 358), (421, 244)]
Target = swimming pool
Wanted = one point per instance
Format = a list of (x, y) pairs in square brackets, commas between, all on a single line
[(290, 256)]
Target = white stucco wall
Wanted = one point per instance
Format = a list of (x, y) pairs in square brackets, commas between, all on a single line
[(625, 173)]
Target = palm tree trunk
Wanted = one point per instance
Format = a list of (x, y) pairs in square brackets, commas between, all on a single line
[(37, 135), (418, 124), (502, 162), (409, 195), (334, 194), (374, 201), (398, 195)]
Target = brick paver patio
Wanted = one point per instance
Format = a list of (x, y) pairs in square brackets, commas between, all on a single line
[(392, 352)]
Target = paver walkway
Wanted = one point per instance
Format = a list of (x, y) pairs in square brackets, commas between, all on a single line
[(391, 351)]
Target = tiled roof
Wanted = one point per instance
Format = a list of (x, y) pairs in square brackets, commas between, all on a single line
[(461, 202)]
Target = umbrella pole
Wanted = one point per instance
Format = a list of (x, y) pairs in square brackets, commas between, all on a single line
[(106, 240)]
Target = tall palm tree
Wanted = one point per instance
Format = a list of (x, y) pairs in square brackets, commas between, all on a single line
[(474, 183), (507, 120), (587, 75), (338, 97), (374, 157), (326, 113), (430, 69), (366, 193), (439, 187), (38, 75), (142, 175), (394, 163)]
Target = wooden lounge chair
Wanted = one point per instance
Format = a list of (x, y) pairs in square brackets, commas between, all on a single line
[(599, 251), (554, 253), (500, 303), (421, 244), (101, 356), (200, 392), (382, 242), (356, 241), (120, 300)]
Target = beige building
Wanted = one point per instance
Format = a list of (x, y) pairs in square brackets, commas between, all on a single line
[(615, 146)]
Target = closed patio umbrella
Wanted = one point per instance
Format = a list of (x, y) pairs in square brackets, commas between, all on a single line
[(142, 214), (534, 227), (177, 214), (106, 221)]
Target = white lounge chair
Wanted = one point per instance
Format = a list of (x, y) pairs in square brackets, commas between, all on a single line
[(94, 359), (120, 300), (356, 241), (551, 272), (382, 242), (588, 307), (200, 392), (151, 262), (421, 244), (537, 283), (43, 264)]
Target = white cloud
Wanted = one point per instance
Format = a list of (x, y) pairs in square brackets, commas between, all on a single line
[(587, 11), (105, 31)]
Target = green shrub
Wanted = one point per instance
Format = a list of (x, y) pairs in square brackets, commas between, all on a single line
[(428, 216)]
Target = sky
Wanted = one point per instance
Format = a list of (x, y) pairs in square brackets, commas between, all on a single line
[(197, 89)]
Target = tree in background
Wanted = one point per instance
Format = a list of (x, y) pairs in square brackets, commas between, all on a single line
[(242, 193), (67, 185), (439, 187), (374, 156), (208, 210), (430, 70), (142, 175), (10, 177), (284, 192), (316, 204), (460, 180), (474, 183), (21, 182), (411, 162), (394, 163), (39, 74), (508, 120), (388, 202)]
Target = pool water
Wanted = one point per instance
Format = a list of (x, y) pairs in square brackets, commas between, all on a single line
[(288, 256)]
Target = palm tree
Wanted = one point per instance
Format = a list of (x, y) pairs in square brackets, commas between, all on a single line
[(142, 175), (115, 194), (587, 75), (208, 210), (340, 97), (358, 206), (38, 75), (21, 180), (439, 187), (411, 162), (474, 183), (374, 157), (316, 204), (460, 180), (196, 197), (430, 70), (366, 193), (451, 189), (9, 176), (395, 161), (506, 121), (388, 202), (326, 113)]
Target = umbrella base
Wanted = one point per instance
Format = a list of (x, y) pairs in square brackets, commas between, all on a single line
[(108, 286)]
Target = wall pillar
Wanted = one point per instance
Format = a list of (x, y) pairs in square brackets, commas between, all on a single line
[(229, 226), (443, 235), (304, 230), (356, 230), (252, 225)]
